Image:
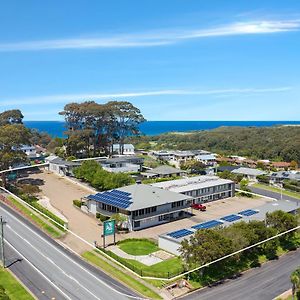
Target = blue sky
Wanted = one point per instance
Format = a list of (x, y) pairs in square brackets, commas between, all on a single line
[(174, 59)]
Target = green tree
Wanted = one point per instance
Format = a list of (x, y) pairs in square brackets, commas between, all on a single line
[(205, 246), (12, 137), (10, 117), (295, 280)]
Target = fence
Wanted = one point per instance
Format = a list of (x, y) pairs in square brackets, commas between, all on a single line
[(140, 270)]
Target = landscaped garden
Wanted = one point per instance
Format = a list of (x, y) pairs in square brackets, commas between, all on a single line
[(138, 246)]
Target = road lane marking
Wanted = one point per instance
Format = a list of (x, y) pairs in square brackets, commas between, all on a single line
[(52, 262), (70, 259), (40, 272)]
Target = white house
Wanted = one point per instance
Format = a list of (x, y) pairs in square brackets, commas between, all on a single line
[(29, 150), (128, 149)]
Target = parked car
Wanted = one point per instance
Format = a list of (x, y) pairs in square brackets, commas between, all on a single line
[(199, 206)]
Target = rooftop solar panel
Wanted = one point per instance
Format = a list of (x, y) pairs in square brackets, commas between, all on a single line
[(207, 225), (231, 218), (180, 233), (248, 212)]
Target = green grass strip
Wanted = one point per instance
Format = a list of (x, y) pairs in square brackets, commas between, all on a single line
[(36, 219), (13, 288), (125, 278), (277, 190)]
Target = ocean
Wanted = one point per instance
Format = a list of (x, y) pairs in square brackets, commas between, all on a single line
[(56, 128)]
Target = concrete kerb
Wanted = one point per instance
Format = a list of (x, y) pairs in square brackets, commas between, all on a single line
[(255, 194)]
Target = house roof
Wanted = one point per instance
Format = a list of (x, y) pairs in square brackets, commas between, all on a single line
[(281, 164), (142, 196), (206, 157), (59, 161), (191, 183), (249, 171), (165, 170), (121, 159)]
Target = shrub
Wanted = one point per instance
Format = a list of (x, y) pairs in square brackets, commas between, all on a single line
[(3, 295), (102, 218), (77, 203)]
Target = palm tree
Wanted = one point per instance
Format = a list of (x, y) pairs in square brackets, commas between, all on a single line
[(295, 280)]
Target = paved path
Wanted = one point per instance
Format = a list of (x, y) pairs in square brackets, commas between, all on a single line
[(147, 260), (264, 283), (67, 276)]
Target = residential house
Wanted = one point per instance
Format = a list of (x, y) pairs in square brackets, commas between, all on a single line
[(163, 172), (248, 173), (123, 164), (128, 149)]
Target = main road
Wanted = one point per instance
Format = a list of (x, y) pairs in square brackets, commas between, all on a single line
[(49, 270), (264, 283)]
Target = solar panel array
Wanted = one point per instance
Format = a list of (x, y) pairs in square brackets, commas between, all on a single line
[(248, 212), (116, 198), (180, 233), (207, 225), (231, 218)]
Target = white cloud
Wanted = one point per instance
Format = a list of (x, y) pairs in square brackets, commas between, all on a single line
[(161, 38), (63, 98)]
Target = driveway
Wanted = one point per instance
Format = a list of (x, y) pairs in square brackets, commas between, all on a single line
[(61, 194)]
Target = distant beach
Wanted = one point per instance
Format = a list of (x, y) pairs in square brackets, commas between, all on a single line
[(56, 128)]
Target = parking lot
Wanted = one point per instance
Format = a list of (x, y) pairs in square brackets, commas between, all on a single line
[(61, 193)]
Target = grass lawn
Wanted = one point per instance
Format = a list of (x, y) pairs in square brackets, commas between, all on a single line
[(35, 218), (123, 277), (277, 190), (164, 269), (138, 247), (12, 287)]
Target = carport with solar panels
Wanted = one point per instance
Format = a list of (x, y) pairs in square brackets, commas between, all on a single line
[(171, 240)]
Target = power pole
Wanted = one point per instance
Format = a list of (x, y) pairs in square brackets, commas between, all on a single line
[(2, 253)]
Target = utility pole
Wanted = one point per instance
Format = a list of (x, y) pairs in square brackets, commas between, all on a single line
[(2, 257)]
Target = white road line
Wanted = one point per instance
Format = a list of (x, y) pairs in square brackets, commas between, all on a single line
[(53, 263), (70, 259), (40, 272)]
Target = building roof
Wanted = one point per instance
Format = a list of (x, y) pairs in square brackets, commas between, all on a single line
[(122, 159), (191, 183), (165, 170), (248, 171), (206, 157), (281, 164), (59, 161), (286, 175), (142, 196)]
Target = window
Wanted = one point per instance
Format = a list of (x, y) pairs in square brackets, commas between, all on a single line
[(137, 224), (141, 212), (153, 209), (160, 218)]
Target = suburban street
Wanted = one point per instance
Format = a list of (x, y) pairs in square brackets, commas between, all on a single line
[(49, 270), (263, 283)]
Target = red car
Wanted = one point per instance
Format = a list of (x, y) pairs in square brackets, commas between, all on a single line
[(199, 206)]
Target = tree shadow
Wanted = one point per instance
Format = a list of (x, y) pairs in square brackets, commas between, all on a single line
[(32, 181)]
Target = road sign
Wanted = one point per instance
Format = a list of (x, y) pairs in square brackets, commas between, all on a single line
[(109, 227)]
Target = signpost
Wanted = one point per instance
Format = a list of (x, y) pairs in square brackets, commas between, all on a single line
[(109, 228)]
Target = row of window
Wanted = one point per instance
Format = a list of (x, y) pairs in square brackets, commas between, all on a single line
[(177, 203), (144, 211), (196, 193)]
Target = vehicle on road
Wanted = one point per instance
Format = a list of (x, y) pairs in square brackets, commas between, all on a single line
[(198, 206)]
